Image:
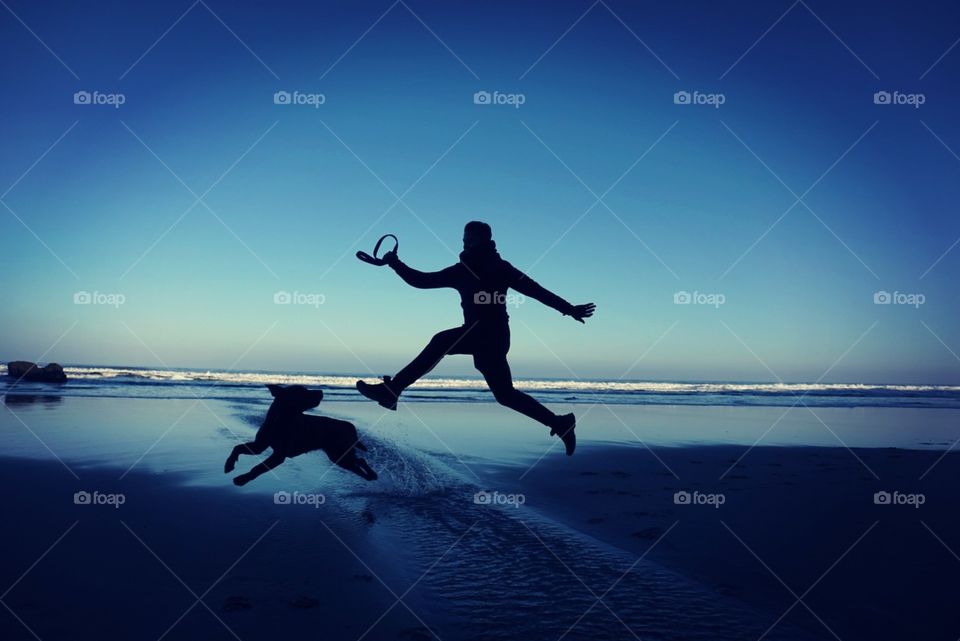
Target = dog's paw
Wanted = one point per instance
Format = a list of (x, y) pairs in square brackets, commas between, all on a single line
[(229, 465), (243, 479)]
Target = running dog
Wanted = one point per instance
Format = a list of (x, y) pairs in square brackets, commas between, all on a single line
[(291, 433)]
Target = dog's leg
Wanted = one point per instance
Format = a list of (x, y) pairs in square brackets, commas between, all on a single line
[(271, 462), (370, 474), (244, 448), (362, 446), (359, 467)]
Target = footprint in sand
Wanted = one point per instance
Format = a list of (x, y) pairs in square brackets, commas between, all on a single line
[(304, 603), (588, 474), (648, 534), (603, 490), (728, 590), (236, 604)]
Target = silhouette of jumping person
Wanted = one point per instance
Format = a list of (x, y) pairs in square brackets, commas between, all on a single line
[(482, 279)]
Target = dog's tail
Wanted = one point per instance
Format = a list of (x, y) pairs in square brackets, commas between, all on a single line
[(362, 446)]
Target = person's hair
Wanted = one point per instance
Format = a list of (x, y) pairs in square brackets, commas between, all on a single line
[(480, 229)]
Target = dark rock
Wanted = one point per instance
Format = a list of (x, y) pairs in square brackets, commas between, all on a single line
[(28, 371)]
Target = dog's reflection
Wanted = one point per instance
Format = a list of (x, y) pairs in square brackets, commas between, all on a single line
[(289, 432)]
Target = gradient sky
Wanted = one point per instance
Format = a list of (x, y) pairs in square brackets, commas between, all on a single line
[(296, 190)]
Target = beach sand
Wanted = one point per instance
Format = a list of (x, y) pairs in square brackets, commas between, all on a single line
[(794, 522), (414, 556)]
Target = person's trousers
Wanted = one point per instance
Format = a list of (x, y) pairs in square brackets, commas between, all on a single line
[(489, 347)]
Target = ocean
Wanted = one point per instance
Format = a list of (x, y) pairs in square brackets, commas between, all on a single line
[(142, 382)]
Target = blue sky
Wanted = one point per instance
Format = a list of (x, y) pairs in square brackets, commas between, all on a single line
[(694, 198)]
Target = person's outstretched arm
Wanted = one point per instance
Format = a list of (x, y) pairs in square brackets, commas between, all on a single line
[(419, 279), (529, 287)]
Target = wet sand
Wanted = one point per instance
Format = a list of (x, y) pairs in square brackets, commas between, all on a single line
[(793, 521), (783, 522)]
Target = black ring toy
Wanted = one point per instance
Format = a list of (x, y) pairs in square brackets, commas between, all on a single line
[(375, 259)]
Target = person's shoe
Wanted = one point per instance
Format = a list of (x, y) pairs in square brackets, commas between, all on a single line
[(381, 392), (564, 428)]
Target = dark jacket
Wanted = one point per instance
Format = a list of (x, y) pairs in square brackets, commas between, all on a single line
[(482, 278)]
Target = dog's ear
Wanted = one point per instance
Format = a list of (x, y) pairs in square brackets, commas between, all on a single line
[(275, 389)]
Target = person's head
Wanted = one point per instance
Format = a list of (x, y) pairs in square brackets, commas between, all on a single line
[(475, 233)]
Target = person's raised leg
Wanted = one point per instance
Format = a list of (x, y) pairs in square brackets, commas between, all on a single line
[(496, 371), (388, 392)]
